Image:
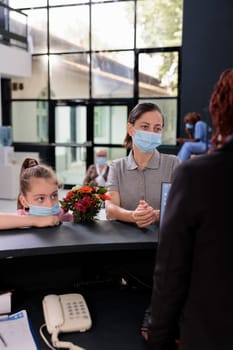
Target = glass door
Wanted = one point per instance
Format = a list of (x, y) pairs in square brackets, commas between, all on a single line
[(71, 143), (80, 130), (109, 129)]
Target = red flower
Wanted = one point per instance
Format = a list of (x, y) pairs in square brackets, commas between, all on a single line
[(84, 201)]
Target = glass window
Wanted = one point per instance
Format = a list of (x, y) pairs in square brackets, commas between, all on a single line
[(37, 85), (112, 74), (158, 74), (159, 23), (110, 124), (85, 52), (69, 76), (113, 25), (69, 28), (66, 2), (18, 4), (70, 170), (37, 30), (16, 23), (30, 121), (100, 0), (71, 124)]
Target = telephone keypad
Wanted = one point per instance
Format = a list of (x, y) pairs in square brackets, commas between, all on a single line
[(76, 310)]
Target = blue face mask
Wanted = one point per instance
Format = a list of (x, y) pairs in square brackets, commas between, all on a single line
[(101, 160), (189, 126), (44, 211), (147, 141)]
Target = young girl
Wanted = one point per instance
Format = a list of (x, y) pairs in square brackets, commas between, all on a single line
[(39, 191)]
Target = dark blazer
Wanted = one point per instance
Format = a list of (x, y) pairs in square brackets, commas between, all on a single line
[(193, 280)]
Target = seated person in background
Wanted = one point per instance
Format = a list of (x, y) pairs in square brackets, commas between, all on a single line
[(98, 173), (11, 221), (39, 191), (134, 182), (197, 131)]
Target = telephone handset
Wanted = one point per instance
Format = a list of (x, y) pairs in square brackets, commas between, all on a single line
[(65, 313)]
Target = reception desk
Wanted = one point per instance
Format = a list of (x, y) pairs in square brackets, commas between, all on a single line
[(106, 261), (101, 235)]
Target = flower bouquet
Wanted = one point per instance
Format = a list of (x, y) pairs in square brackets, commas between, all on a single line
[(84, 201)]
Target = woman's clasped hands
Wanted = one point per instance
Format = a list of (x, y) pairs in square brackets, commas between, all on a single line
[(144, 215)]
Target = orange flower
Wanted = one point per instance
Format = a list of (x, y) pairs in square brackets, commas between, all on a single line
[(85, 189), (104, 197), (84, 201), (70, 194)]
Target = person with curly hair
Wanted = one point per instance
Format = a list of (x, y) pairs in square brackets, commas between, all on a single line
[(197, 140), (193, 283)]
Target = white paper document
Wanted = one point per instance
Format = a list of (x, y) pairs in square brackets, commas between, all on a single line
[(15, 332)]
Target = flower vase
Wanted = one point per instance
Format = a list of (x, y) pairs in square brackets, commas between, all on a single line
[(80, 218), (84, 202)]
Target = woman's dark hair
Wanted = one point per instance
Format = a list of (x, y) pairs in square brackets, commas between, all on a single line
[(135, 114), (32, 168), (221, 108)]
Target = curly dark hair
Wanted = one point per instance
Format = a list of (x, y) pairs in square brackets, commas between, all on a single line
[(221, 108), (192, 117)]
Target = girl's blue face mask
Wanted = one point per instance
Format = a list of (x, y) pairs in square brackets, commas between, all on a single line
[(44, 211), (147, 141), (189, 126)]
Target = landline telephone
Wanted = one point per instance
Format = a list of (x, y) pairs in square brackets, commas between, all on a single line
[(65, 313)]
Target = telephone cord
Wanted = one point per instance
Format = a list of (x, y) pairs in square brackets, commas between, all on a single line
[(63, 344), (56, 342), (44, 338)]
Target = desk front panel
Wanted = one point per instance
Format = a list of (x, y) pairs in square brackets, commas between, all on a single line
[(70, 238), (90, 259)]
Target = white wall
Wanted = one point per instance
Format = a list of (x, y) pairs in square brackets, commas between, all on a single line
[(14, 62)]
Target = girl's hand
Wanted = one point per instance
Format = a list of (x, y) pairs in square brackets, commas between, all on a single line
[(44, 221)]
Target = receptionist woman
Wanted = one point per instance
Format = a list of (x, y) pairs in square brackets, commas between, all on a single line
[(134, 181)]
